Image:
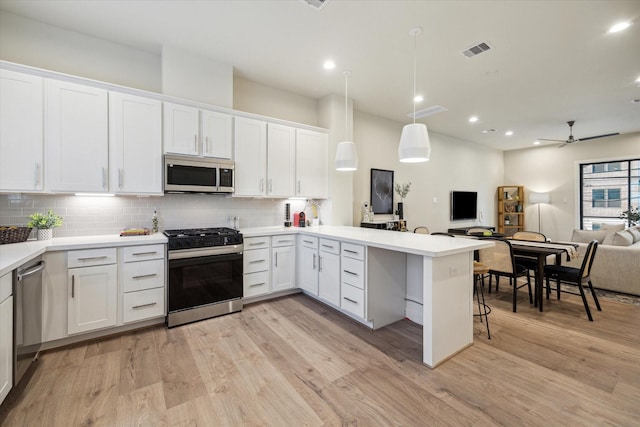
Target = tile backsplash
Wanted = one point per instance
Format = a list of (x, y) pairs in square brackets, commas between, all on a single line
[(85, 216)]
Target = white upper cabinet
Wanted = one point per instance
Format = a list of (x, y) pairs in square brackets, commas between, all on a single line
[(181, 133), (280, 160), (312, 171), (21, 132), (191, 131), (135, 144), (76, 128), (216, 134), (250, 156)]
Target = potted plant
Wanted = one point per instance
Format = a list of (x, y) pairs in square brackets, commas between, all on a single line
[(44, 223), (632, 215), (402, 190)]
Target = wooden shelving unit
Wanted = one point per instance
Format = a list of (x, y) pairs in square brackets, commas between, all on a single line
[(510, 209)]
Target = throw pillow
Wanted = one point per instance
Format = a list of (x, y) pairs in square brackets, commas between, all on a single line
[(585, 236), (622, 238), (609, 239), (618, 226), (635, 232)]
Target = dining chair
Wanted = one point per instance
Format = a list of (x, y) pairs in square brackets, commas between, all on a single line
[(529, 262), (575, 276), (479, 272), (502, 263), (421, 230)]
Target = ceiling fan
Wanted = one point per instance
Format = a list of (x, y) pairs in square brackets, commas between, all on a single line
[(572, 140)]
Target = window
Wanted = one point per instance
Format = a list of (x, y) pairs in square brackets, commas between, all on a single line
[(607, 189)]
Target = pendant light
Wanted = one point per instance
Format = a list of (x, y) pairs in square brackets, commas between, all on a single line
[(414, 142), (346, 156)]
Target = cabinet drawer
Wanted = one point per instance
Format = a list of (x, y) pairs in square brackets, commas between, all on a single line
[(256, 260), (330, 246), (352, 300), (286, 240), (352, 272), (256, 242), (353, 251), (142, 305), (256, 284), (141, 253), (309, 242), (137, 276), (90, 257)]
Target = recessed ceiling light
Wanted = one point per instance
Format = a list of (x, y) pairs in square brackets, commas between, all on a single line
[(536, 142), (329, 65), (473, 119), (418, 98), (620, 26), (509, 133)]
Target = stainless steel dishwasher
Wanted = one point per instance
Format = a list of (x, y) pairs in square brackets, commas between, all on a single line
[(27, 322)]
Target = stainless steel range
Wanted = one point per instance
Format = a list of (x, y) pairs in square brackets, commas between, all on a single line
[(205, 273)]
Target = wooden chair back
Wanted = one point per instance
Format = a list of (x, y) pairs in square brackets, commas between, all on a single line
[(498, 258), (533, 236), (421, 230)]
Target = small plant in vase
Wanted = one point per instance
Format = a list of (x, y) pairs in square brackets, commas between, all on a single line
[(44, 223), (402, 190), (632, 215)]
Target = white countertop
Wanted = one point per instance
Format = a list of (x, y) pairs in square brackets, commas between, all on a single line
[(15, 254), (419, 244)]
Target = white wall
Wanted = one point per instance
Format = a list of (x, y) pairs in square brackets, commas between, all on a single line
[(28, 42), (454, 165), (257, 98), (555, 170)]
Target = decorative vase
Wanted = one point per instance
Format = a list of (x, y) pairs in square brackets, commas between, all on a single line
[(45, 233), (400, 210)]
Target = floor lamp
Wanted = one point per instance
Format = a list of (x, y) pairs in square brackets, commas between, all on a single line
[(536, 199)]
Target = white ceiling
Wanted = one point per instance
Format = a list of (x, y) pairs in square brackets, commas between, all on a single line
[(551, 61)]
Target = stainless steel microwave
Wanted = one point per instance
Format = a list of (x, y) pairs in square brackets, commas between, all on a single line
[(185, 174)]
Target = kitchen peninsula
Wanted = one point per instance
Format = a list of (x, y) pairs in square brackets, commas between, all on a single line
[(442, 266)]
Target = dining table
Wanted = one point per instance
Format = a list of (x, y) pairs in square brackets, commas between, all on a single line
[(540, 251)]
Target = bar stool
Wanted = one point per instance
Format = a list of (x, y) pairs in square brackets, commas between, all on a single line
[(479, 271)]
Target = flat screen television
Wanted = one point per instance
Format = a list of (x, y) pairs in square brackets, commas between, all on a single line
[(464, 205)]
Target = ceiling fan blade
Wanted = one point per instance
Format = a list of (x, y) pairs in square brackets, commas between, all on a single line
[(562, 145), (555, 140), (598, 136)]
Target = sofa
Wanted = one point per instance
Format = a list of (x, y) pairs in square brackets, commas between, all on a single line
[(616, 266)]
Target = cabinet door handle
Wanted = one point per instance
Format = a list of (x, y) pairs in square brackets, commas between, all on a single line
[(257, 244), (145, 276), (261, 185), (276, 259), (257, 261), (350, 272), (151, 304), (271, 186), (73, 286), (328, 246), (37, 174), (195, 143), (119, 178), (257, 284), (104, 177), (206, 143), (308, 241), (92, 257), (350, 251), (299, 191), (145, 253), (350, 300), (314, 261), (319, 263)]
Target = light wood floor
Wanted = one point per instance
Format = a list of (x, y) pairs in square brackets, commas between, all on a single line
[(294, 362)]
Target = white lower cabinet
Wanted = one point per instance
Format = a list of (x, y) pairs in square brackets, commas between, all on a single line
[(352, 279), (283, 262), (92, 298), (329, 271), (6, 335), (307, 271), (256, 262), (143, 283)]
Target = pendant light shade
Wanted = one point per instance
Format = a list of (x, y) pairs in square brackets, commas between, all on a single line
[(415, 146), (346, 155)]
